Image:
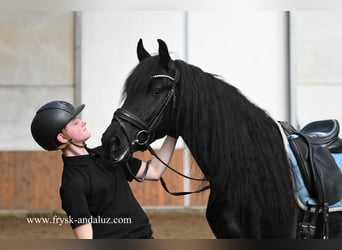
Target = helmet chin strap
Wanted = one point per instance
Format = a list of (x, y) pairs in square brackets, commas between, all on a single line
[(70, 141)]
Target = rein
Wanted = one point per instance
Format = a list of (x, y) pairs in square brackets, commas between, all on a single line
[(179, 173), (146, 132)]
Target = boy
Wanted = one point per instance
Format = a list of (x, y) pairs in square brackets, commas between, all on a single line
[(95, 193)]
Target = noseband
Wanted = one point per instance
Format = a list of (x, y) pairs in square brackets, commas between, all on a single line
[(146, 130)]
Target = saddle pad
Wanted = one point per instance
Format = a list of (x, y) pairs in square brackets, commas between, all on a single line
[(301, 191)]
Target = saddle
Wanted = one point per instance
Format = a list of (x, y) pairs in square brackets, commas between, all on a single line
[(312, 146)]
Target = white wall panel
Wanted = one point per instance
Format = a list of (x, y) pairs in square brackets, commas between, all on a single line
[(318, 39), (36, 66), (18, 108), (319, 102), (109, 41), (247, 48)]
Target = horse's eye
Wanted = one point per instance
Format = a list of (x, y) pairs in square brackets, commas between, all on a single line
[(156, 91)]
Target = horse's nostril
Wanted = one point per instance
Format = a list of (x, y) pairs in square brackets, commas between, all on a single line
[(115, 142), (111, 143)]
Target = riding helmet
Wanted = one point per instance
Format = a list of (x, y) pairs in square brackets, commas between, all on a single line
[(49, 120)]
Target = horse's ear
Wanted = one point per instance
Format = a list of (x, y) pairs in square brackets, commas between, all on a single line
[(164, 54), (141, 51)]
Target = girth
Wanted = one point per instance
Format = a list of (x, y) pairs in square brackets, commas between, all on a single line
[(312, 146)]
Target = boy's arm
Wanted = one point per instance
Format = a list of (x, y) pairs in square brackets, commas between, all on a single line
[(156, 168)]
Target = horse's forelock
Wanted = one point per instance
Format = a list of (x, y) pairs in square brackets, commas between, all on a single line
[(139, 75)]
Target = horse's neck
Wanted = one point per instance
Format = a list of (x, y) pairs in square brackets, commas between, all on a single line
[(200, 149), (202, 163)]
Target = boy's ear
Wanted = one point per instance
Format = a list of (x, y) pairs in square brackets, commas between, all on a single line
[(61, 138)]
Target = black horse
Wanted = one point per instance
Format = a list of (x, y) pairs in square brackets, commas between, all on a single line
[(236, 144)]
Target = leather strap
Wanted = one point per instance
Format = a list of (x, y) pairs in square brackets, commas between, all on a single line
[(70, 141)]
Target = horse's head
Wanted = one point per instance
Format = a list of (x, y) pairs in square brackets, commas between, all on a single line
[(148, 110)]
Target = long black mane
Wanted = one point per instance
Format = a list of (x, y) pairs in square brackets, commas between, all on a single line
[(236, 144), (230, 127)]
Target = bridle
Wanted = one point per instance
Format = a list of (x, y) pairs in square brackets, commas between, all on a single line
[(146, 130)]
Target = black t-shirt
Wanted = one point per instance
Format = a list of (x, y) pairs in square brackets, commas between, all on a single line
[(97, 191)]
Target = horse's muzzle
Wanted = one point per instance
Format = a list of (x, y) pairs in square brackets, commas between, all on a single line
[(115, 147)]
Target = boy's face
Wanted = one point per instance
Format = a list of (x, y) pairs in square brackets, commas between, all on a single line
[(77, 130)]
